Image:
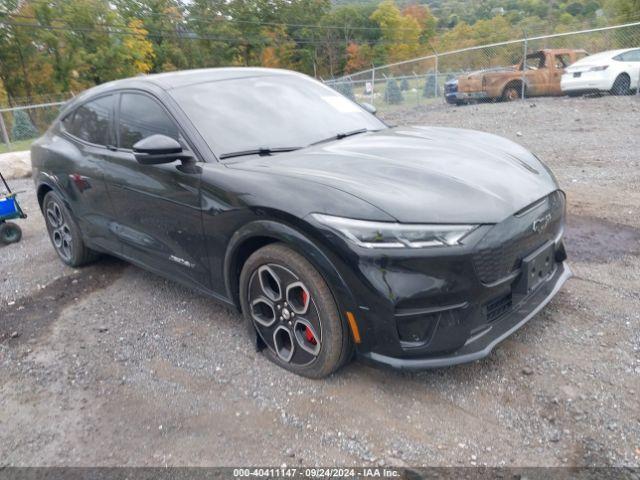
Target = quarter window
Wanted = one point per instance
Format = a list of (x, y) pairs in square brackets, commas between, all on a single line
[(141, 117), (91, 121), (632, 56)]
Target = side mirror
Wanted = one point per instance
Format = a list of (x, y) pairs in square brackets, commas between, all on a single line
[(158, 149), (369, 108)]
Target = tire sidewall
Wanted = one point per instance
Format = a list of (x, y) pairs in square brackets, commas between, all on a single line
[(334, 337)]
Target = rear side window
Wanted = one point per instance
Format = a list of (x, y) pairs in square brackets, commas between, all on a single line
[(632, 56), (91, 121), (141, 117)]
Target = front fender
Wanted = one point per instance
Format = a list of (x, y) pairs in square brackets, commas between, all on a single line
[(299, 241)]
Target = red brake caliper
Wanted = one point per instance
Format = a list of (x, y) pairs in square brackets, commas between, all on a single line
[(310, 337), (308, 333)]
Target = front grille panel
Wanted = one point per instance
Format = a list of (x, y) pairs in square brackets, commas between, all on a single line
[(498, 307), (450, 87), (501, 251)]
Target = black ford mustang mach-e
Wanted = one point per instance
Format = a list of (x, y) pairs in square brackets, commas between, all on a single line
[(415, 247)]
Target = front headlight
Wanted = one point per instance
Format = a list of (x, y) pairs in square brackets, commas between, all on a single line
[(394, 235)]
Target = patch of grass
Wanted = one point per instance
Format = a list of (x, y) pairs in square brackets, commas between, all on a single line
[(16, 146)]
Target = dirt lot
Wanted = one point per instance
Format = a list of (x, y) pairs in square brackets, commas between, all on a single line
[(111, 365)]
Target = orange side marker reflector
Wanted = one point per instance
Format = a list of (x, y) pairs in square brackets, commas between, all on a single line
[(354, 327)]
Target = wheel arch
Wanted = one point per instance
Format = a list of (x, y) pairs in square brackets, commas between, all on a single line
[(514, 82), (260, 233), (41, 192), (47, 183)]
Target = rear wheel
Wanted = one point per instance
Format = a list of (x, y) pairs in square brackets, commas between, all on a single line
[(64, 232), (288, 303), (10, 233), (511, 93), (622, 85)]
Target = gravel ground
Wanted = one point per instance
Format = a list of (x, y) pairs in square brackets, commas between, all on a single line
[(111, 365)]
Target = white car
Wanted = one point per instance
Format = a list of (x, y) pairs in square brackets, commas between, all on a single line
[(614, 71)]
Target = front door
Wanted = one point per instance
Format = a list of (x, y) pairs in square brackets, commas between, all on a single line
[(536, 74), (158, 216)]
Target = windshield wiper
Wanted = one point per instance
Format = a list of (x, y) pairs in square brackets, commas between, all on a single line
[(258, 151), (340, 136)]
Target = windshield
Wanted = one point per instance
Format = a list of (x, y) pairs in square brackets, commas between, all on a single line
[(269, 112)]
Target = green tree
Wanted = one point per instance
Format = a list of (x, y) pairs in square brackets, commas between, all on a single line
[(22, 128), (429, 87), (392, 93), (404, 85)]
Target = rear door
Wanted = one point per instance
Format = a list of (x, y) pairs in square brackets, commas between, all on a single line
[(157, 208), (89, 130), (557, 64)]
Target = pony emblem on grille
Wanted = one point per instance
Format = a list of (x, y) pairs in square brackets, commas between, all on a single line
[(540, 224)]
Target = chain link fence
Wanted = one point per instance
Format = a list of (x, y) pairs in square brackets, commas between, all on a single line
[(429, 79), (26, 120)]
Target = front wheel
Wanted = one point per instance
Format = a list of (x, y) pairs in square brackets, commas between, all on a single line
[(511, 93), (288, 303)]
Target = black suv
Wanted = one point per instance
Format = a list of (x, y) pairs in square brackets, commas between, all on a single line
[(415, 247)]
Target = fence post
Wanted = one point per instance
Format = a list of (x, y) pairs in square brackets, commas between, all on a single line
[(373, 83), (435, 82), (5, 135), (524, 67)]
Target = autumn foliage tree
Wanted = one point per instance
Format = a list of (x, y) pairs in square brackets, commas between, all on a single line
[(64, 46)]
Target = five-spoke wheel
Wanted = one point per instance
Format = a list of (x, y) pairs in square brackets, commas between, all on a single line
[(293, 312)]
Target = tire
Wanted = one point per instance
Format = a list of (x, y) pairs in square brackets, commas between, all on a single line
[(10, 233), (622, 85), (511, 93), (273, 283), (64, 233)]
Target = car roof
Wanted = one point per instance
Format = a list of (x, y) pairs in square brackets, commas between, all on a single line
[(181, 78), (604, 55)]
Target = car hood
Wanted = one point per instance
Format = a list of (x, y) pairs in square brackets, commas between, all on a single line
[(422, 174), (487, 71)]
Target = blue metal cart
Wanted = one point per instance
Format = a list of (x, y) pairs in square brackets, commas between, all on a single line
[(9, 209)]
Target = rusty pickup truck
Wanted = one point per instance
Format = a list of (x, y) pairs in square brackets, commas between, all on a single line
[(540, 73)]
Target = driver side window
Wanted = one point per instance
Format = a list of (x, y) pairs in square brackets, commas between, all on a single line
[(141, 117)]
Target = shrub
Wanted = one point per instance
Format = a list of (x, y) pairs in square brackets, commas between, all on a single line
[(429, 87), (404, 85), (392, 92), (22, 128)]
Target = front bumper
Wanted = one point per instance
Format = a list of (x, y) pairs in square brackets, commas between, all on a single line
[(424, 308), (482, 343), (461, 97)]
